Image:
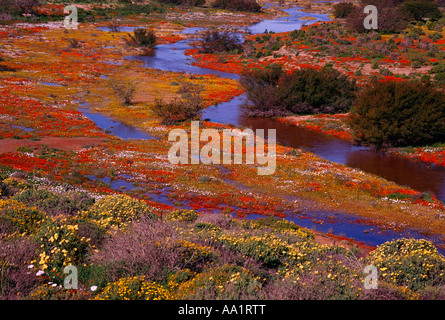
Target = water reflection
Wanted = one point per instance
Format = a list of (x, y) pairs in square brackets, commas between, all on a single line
[(419, 176)]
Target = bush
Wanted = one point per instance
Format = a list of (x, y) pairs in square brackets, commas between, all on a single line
[(237, 5), (227, 282), (215, 41), (53, 204), (16, 278), (26, 6), (420, 10), (409, 262), (153, 253), (124, 89), (16, 217), (183, 215), (303, 91), (117, 210), (394, 113), (179, 109), (60, 245), (142, 37), (343, 9), (134, 288)]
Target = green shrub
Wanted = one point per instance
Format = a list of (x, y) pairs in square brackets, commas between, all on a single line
[(54, 204), (420, 10), (237, 5), (142, 37), (24, 149), (399, 113), (219, 41), (317, 91), (271, 92)]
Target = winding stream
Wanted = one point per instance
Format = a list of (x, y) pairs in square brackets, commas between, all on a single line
[(419, 176)]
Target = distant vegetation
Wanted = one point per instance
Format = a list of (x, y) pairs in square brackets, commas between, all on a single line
[(395, 114), (237, 5), (394, 15)]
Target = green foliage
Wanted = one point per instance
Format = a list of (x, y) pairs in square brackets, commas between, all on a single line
[(313, 91), (402, 113), (142, 37), (24, 149), (304, 91), (54, 204), (437, 69), (218, 41), (420, 10), (237, 5)]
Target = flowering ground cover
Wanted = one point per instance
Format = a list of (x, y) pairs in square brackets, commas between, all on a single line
[(72, 193)]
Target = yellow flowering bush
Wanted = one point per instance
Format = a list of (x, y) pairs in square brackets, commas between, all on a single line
[(183, 215), (409, 262), (272, 250), (134, 288), (116, 210), (60, 245), (16, 217), (226, 282), (16, 183)]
